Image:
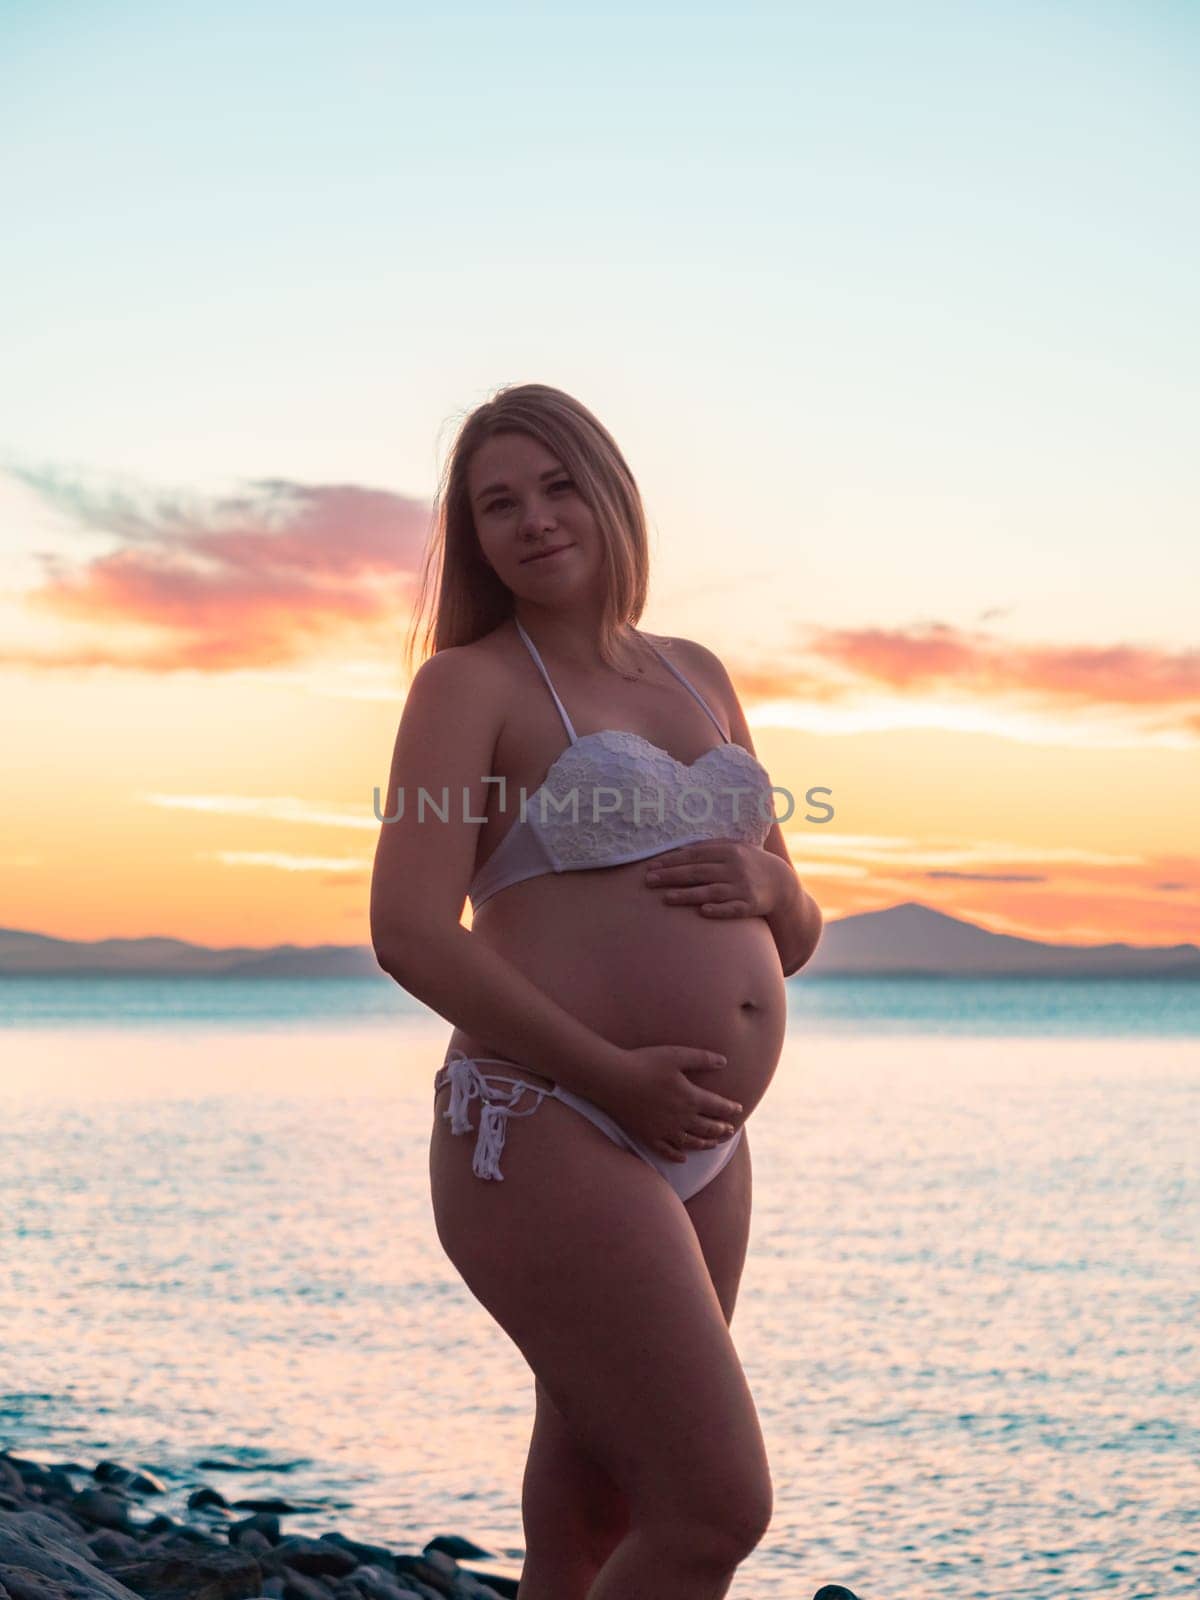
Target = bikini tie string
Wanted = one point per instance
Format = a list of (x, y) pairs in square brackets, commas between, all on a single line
[(467, 1083)]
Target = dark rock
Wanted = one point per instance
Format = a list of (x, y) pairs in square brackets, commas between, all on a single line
[(314, 1558), (113, 1472), (212, 1572), (40, 1559), (102, 1509), (58, 1483), (505, 1587), (254, 1544), (375, 1584), (297, 1587), (22, 1584), (109, 1547), (426, 1572), (374, 1554), (179, 1537), (445, 1564), (834, 1591), (60, 1543), (418, 1586), (455, 1546), (64, 1519), (205, 1497), (262, 1523)]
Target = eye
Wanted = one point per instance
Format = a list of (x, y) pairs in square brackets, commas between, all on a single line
[(504, 500)]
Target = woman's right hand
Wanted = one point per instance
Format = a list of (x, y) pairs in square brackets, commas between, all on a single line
[(656, 1102)]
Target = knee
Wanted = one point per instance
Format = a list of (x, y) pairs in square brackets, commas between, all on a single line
[(718, 1536), (742, 1526)]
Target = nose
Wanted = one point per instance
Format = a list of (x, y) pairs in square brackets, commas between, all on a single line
[(536, 519)]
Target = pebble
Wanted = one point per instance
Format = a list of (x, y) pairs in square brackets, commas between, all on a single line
[(63, 1535)]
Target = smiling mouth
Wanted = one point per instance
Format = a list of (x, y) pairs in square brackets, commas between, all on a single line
[(542, 554)]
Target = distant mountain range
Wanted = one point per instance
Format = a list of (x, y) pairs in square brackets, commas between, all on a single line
[(908, 940), (912, 940)]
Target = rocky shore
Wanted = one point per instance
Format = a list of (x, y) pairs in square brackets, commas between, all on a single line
[(69, 1532)]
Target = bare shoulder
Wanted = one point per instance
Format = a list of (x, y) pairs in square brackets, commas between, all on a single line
[(705, 669), (480, 668), (697, 660)]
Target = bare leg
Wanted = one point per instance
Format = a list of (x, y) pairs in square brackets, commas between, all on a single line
[(720, 1215), (574, 1515), (596, 1270)]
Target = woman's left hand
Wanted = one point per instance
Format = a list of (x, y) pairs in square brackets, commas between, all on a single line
[(722, 878)]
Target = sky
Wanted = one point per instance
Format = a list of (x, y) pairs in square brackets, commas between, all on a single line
[(890, 308)]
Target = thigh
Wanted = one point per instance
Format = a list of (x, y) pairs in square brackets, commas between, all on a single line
[(720, 1216), (566, 1475), (592, 1266)]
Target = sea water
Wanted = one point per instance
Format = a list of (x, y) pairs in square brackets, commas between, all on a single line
[(967, 1317)]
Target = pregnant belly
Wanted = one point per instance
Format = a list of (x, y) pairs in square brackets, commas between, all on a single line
[(638, 971)]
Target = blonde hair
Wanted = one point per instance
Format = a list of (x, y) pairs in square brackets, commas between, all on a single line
[(470, 599)]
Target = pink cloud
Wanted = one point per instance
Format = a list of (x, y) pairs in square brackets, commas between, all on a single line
[(248, 580), (937, 655)]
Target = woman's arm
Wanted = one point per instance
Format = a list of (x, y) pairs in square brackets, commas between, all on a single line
[(474, 987), (446, 740), (796, 922)]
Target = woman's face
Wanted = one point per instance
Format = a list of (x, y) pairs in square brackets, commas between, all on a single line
[(524, 504)]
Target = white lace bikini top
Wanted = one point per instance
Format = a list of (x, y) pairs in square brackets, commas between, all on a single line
[(614, 797)]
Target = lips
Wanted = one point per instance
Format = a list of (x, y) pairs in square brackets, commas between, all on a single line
[(542, 554)]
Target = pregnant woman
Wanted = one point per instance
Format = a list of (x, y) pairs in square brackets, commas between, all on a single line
[(618, 1001)]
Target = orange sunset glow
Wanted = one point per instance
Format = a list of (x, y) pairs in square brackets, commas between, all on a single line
[(204, 706), (897, 349)]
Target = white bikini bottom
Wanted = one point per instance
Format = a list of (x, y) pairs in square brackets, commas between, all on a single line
[(467, 1083)]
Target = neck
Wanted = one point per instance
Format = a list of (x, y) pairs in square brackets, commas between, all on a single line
[(570, 635)]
